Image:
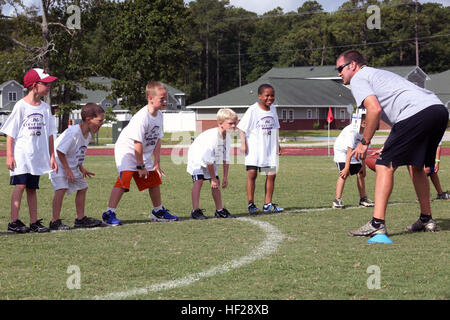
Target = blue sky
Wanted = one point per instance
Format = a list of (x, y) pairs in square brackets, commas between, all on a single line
[(262, 6)]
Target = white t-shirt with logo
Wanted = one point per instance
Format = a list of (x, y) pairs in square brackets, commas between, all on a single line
[(74, 145), (30, 127), (261, 131), (348, 138), (144, 128), (208, 148)]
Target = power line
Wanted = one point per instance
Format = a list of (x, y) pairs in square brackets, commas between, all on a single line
[(336, 47)]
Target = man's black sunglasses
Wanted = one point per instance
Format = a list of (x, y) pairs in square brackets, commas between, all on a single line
[(341, 67)]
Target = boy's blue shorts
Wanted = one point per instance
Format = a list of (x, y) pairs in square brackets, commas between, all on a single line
[(31, 181)]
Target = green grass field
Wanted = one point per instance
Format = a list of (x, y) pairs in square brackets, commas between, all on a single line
[(303, 253)]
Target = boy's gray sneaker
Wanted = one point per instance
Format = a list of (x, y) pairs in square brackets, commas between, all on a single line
[(443, 196), (272, 208), (368, 230), (338, 204), (224, 213), (252, 209), (419, 225), (366, 202)]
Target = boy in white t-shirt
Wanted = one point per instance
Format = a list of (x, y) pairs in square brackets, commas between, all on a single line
[(258, 130), (206, 153), (347, 165), (133, 151), (71, 148), (29, 147)]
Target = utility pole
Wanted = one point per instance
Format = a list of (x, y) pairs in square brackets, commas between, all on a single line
[(417, 40)]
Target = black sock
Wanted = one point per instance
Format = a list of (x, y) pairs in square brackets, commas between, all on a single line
[(425, 217), (376, 222)]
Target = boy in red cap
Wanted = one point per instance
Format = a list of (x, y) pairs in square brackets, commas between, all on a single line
[(29, 147)]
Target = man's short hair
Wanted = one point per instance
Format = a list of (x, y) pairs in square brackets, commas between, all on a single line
[(152, 87), (91, 110), (353, 55), (224, 114)]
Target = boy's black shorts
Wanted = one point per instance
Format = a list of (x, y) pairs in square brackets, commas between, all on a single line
[(197, 177), (266, 170), (414, 141), (31, 181), (354, 167)]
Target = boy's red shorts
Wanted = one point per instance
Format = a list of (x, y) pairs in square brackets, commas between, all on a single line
[(124, 180)]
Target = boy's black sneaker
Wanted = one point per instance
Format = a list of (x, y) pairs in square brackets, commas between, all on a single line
[(197, 214), (38, 227), (18, 227), (86, 222), (58, 226), (223, 214)]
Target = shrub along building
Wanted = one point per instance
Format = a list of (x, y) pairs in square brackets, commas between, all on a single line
[(303, 96)]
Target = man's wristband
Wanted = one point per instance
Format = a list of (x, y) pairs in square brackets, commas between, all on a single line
[(140, 167), (364, 142)]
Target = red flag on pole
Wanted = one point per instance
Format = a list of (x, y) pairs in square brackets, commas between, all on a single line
[(330, 115)]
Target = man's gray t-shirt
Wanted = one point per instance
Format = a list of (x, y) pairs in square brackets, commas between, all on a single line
[(398, 97)]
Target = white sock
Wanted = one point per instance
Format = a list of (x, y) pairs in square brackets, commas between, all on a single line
[(111, 209), (158, 208)]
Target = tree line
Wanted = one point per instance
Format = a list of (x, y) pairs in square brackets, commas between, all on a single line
[(206, 47)]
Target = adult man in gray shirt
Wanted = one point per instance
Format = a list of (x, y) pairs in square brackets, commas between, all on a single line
[(418, 119)]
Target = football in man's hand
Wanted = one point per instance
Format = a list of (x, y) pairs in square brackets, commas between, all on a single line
[(370, 161)]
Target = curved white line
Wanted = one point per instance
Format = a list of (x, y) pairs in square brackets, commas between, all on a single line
[(267, 247)]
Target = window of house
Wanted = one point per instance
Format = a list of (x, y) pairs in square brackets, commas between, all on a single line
[(309, 114), (342, 112), (107, 105), (12, 96), (284, 115), (291, 115)]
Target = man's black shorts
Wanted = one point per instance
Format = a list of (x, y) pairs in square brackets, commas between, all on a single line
[(414, 141)]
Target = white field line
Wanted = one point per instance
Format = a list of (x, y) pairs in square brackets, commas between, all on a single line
[(268, 246)]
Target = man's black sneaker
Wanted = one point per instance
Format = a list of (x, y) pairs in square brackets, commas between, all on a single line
[(17, 227), (197, 214), (223, 214), (58, 226), (86, 222), (38, 227), (419, 225)]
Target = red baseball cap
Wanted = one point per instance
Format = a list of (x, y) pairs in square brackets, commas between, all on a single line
[(37, 75)]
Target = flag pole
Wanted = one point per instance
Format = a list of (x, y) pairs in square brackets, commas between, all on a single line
[(328, 139)]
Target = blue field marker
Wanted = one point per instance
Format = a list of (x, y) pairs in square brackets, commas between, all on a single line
[(380, 238)]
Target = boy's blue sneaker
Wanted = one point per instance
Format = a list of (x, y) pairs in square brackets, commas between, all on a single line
[(109, 218), (163, 215), (272, 208), (252, 209)]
